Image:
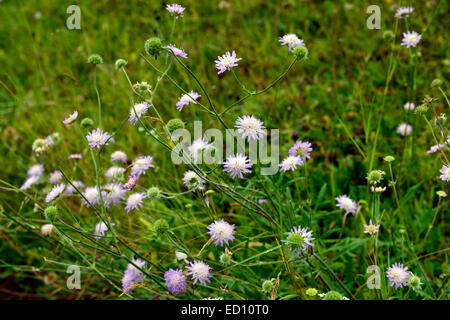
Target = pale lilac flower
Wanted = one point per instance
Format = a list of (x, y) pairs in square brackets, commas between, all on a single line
[(114, 193), (237, 165), (141, 164), (436, 148), (131, 183), (371, 228), (185, 99), (199, 271), (119, 156), (50, 142), (177, 52), (100, 229), (55, 176), (300, 240), (47, 229), (347, 204), (409, 106), (292, 41), (226, 62), (377, 189), (29, 182), (113, 171), (55, 192), (410, 39), (261, 201), (221, 231), (250, 127), (301, 149), (134, 201), (70, 119), (137, 111), (291, 163), (403, 12), (175, 280), (197, 147), (175, 10), (75, 156), (445, 170), (72, 190), (398, 275), (36, 170), (404, 129), (97, 138), (92, 195), (193, 181), (132, 275)]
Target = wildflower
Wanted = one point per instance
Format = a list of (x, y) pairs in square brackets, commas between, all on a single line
[(409, 106), (435, 148), (268, 286), (193, 181), (75, 156), (143, 87), (70, 119), (132, 275), (312, 292), (130, 183), (237, 165), (441, 194), (261, 201), (226, 62), (36, 170), (291, 163), (141, 164), (300, 52), (112, 171), (47, 229), (153, 46), (403, 12), (301, 149), (199, 271), (347, 204), (291, 40), (100, 229), (414, 282), (398, 275), (95, 59), (389, 159), (250, 127), (177, 52), (404, 129), (160, 226), (92, 195), (196, 148), (55, 192), (134, 201), (87, 122), (180, 255), (225, 258), (174, 124), (377, 189), (115, 193), (299, 240), (97, 138), (422, 109), (185, 99), (119, 156), (120, 63), (51, 213), (410, 39), (175, 281), (137, 111), (375, 176), (39, 146), (445, 170), (29, 182), (71, 190), (175, 10), (371, 228), (55, 176), (221, 231)]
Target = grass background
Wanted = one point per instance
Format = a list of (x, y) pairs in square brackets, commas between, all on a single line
[(334, 95)]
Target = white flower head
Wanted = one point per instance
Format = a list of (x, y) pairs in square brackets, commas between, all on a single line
[(250, 127), (291, 40), (404, 129)]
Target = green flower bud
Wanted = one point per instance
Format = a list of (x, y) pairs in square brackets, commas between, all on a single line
[(333, 295), (388, 35), (422, 109), (225, 259), (153, 46), (300, 52), (154, 193), (436, 83), (312, 292), (51, 213), (161, 226), (175, 124), (441, 193), (389, 158), (95, 59), (414, 282), (268, 285), (87, 122), (120, 63)]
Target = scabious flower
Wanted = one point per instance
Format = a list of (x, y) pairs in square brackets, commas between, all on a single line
[(403, 12), (29, 182), (398, 275), (221, 231), (47, 229), (410, 39), (134, 201), (445, 170), (100, 229), (371, 228), (301, 149), (291, 163), (137, 111), (185, 99), (409, 106), (436, 148), (250, 127), (377, 189), (404, 129), (55, 192), (193, 181), (177, 52), (132, 275), (226, 62), (70, 119), (36, 170), (93, 196), (113, 171), (140, 165), (347, 204), (77, 184), (131, 183), (175, 281), (55, 176), (115, 193), (196, 148), (199, 271), (299, 240), (75, 156), (175, 10), (291, 40), (237, 165), (119, 156), (97, 138), (261, 201)]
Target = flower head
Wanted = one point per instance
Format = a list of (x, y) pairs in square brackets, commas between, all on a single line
[(347, 204), (97, 138), (398, 275), (55, 176), (410, 39), (75, 156), (291, 40), (291, 163), (445, 170), (175, 280), (137, 111), (119, 156), (226, 62), (47, 229), (436, 148), (92, 195), (403, 12), (301, 149), (193, 181), (196, 148), (141, 164), (55, 192), (409, 106), (299, 240), (371, 228), (185, 99), (29, 182), (70, 119), (114, 193), (134, 201), (221, 231), (112, 171), (36, 170), (404, 129), (199, 271), (100, 229), (131, 183), (177, 52), (72, 190), (175, 10), (250, 127), (132, 275), (237, 165)]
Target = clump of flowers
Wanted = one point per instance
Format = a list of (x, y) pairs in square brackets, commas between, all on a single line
[(300, 240), (221, 231)]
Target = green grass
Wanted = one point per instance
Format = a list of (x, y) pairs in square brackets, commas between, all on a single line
[(347, 99)]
